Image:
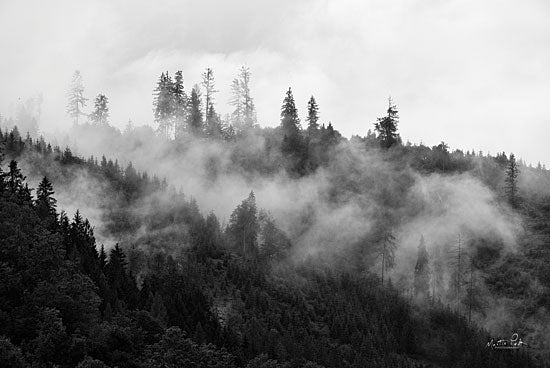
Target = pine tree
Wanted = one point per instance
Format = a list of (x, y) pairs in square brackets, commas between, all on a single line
[(422, 272), (249, 110), (386, 127), (290, 123), (511, 180), (75, 94), (213, 127), (312, 117), (209, 89), (243, 226), (194, 118), (293, 146), (273, 241), (102, 257), (180, 104), (243, 117), (100, 115), (46, 203), (164, 104), (237, 102), (15, 178)]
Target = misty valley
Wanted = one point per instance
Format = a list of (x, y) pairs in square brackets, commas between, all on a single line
[(209, 240)]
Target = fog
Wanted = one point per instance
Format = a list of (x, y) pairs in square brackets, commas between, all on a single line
[(480, 69)]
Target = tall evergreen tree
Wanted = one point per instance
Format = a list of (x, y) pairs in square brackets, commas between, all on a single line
[(75, 95), (273, 241), (386, 127), (15, 179), (100, 115), (213, 126), (243, 117), (102, 257), (511, 180), (422, 272), (237, 102), (312, 117), (249, 110), (164, 104), (209, 90), (290, 123), (46, 203), (293, 145), (243, 226), (179, 104), (194, 118)]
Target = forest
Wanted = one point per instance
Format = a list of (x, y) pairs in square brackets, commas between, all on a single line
[(211, 241)]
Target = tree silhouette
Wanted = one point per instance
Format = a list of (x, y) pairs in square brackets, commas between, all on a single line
[(312, 117), (386, 127), (164, 104), (100, 115), (511, 180)]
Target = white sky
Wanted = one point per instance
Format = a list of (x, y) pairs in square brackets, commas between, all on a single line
[(475, 74)]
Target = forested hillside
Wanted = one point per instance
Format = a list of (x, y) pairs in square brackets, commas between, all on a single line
[(214, 242)]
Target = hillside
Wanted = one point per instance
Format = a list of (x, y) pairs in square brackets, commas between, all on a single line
[(370, 251)]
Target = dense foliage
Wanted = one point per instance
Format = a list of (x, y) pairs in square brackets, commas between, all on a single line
[(227, 300)]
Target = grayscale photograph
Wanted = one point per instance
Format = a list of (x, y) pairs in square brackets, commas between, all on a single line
[(274, 184)]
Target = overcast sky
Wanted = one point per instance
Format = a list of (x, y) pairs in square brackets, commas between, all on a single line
[(475, 74)]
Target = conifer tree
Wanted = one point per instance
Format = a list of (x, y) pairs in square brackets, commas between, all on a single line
[(179, 104), (15, 178), (511, 180), (102, 257), (237, 102), (164, 104), (290, 123), (386, 127), (209, 89), (312, 117), (422, 272), (249, 110), (243, 226), (243, 117), (213, 126), (75, 95), (100, 115), (195, 118), (273, 241), (45, 202)]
